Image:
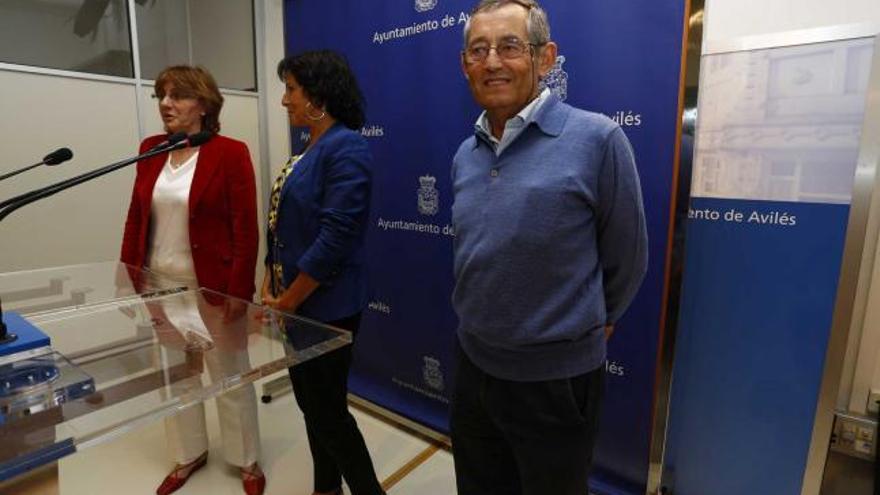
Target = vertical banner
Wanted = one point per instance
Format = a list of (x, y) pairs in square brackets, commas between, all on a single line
[(622, 60), (776, 152)]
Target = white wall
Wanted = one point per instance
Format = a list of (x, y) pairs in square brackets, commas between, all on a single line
[(162, 36), (98, 121), (272, 88), (221, 41), (731, 19)]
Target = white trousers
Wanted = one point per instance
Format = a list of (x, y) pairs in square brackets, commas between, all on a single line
[(187, 433)]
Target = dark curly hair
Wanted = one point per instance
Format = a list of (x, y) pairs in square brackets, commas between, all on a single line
[(328, 82)]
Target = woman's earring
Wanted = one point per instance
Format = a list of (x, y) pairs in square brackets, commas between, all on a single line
[(312, 117)]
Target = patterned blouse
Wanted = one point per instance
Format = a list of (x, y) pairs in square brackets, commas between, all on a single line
[(274, 201)]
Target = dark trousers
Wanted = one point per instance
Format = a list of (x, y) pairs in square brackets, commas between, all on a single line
[(338, 449), (523, 438)]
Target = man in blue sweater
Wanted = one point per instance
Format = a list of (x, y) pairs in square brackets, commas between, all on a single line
[(550, 248)]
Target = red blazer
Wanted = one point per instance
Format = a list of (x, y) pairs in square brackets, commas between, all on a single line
[(223, 230)]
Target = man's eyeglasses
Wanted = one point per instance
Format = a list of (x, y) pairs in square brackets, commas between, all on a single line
[(508, 49)]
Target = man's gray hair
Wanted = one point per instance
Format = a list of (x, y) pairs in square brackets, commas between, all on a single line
[(537, 24)]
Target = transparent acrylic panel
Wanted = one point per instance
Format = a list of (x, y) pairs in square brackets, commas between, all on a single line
[(216, 35), (34, 292), (40, 382), (782, 124), (148, 359), (78, 35)]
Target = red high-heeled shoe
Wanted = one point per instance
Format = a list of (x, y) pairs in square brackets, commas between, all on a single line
[(174, 481), (253, 480)]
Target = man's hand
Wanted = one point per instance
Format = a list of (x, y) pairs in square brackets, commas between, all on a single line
[(609, 329)]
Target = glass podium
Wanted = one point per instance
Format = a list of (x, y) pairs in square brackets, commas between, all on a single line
[(133, 349), (33, 292)]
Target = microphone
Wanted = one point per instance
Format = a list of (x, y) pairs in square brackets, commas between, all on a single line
[(60, 155), (198, 138), (174, 142), (56, 157), (172, 139)]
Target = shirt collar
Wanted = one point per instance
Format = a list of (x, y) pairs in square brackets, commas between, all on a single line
[(524, 117)]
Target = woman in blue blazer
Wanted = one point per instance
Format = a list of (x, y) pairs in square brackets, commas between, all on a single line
[(319, 210)]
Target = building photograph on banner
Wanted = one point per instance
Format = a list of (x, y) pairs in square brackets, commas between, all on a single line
[(621, 63)]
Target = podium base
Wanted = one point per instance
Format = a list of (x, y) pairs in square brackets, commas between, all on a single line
[(25, 335)]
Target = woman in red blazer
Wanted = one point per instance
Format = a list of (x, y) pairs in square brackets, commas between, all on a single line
[(193, 217)]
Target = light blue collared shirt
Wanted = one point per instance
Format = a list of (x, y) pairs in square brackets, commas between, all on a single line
[(513, 127)]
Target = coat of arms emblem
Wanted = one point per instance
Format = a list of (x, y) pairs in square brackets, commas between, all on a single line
[(425, 5), (432, 374), (429, 197), (556, 79)]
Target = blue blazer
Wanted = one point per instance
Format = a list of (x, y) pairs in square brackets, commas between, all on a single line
[(322, 219)]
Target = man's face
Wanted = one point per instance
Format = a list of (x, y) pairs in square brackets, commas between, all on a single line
[(503, 85)]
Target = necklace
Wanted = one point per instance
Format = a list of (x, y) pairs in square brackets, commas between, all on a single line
[(182, 157)]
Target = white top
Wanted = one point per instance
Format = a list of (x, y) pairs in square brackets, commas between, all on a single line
[(170, 253)]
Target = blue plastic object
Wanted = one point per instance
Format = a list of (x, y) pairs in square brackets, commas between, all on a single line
[(29, 336)]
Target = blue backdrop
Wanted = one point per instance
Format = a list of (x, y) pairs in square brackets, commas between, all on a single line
[(622, 60), (754, 327)]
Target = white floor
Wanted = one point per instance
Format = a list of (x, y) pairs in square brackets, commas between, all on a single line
[(434, 477), (136, 462)]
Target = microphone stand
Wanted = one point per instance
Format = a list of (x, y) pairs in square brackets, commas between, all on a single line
[(57, 157), (12, 204), (21, 170)]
